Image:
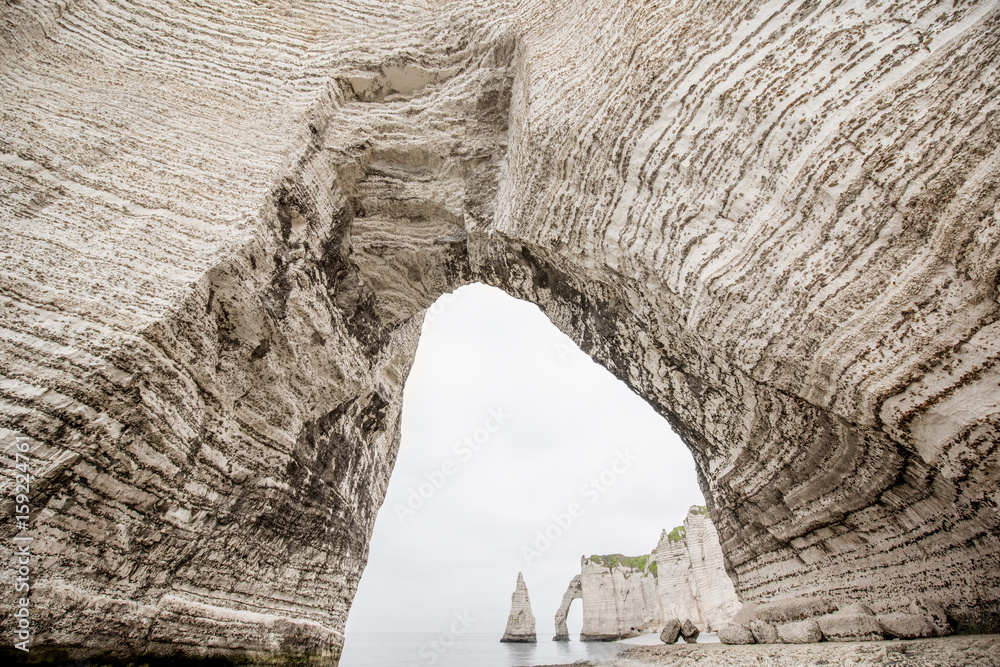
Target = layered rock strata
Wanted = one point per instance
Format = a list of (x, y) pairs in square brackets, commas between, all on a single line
[(221, 224), (521, 621)]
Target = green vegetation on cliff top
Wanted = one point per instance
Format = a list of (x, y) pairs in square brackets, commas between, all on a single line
[(680, 532), (677, 534), (636, 563), (643, 563)]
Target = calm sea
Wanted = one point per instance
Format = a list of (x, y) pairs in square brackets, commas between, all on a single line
[(475, 650)]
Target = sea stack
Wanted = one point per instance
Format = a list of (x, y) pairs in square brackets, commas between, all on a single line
[(521, 622)]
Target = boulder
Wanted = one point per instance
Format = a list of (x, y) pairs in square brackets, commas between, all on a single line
[(784, 610), (671, 631), (850, 627), (905, 626), (746, 613), (690, 632), (800, 632), (935, 615), (763, 632), (736, 633), (856, 608)]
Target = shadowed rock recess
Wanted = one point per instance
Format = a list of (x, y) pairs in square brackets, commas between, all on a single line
[(222, 222)]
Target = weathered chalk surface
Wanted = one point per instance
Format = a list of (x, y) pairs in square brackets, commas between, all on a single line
[(220, 224)]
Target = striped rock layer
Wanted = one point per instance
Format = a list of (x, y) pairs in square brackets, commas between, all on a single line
[(222, 222)]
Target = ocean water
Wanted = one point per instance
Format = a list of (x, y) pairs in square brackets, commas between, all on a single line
[(402, 649)]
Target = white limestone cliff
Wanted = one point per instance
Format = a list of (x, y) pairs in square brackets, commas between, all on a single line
[(692, 582), (521, 621), (675, 588), (684, 578), (619, 597)]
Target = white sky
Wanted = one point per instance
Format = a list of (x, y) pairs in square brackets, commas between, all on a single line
[(567, 422)]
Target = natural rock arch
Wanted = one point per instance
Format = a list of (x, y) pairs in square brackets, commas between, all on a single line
[(574, 591), (775, 223)]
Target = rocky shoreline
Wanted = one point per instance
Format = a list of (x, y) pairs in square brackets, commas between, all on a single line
[(954, 651)]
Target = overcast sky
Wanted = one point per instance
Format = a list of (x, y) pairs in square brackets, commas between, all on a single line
[(511, 432)]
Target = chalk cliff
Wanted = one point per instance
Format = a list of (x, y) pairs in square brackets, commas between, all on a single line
[(221, 224), (684, 578), (520, 622), (691, 580), (619, 597)]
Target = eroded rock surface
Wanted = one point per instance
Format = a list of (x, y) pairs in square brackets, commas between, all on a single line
[(959, 651), (221, 223)]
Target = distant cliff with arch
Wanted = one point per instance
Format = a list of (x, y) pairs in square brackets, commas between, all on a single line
[(684, 577)]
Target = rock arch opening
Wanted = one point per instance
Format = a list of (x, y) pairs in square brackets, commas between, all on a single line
[(517, 453)]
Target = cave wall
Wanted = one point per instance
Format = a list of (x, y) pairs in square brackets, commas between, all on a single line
[(776, 221)]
